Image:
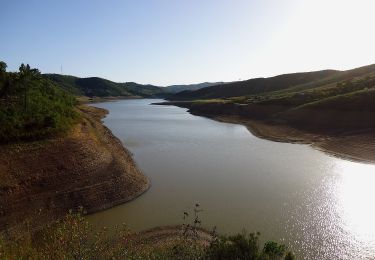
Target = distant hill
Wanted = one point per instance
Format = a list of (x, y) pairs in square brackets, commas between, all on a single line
[(191, 87), (295, 81), (100, 87), (254, 86)]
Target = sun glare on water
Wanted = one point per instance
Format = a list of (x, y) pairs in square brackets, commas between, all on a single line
[(355, 205)]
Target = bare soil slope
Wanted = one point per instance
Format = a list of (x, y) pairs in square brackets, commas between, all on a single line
[(89, 168)]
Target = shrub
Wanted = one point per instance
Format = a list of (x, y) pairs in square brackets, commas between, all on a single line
[(245, 246)]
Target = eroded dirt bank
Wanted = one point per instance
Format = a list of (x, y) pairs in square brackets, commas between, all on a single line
[(89, 168)]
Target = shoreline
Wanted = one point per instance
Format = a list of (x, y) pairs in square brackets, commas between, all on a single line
[(82, 100), (355, 147), (128, 158), (88, 167), (333, 146)]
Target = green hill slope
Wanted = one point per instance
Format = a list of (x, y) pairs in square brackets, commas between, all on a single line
[(334, 101), (278, 84), (191, 87), (354, 110), (99, 87), (254, 86)]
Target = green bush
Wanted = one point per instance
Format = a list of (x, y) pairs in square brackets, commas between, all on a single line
[(245, 246), (32, 107)]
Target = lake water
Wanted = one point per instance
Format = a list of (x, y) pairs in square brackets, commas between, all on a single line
[(319, 205)]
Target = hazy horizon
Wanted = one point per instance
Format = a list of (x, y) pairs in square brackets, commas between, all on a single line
[(168, 43)]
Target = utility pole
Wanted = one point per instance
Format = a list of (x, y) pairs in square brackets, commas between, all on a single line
[(61, 70)]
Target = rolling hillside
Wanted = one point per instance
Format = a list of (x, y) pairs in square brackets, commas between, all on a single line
[(334, 101), (191, 87), (286, 82), (99, 87)]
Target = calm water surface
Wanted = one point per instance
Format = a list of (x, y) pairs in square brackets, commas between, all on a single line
[(320, 205)]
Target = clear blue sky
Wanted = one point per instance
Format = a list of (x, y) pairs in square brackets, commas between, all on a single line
[(174, 41)]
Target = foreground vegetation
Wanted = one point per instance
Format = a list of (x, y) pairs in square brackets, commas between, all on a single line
[(74, 238), (32, 107)]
